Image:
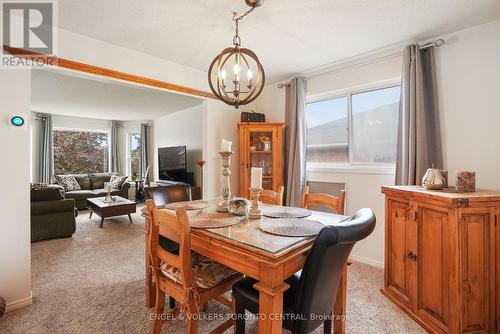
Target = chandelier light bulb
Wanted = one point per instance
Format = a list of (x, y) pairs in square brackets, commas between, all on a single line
[(249, 74), (237, 69), (223, 74)]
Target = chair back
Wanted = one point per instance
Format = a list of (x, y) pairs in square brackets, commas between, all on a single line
[(272, 197), (168, 194), (320, 278), (336, 204), (176, 228)]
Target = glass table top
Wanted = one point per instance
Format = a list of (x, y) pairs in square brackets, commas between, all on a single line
[(247, 230)]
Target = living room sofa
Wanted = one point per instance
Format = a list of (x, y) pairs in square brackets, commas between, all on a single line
[(93, 186), (52, 215)]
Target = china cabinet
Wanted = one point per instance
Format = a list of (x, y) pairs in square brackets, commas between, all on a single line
[(261, 145)]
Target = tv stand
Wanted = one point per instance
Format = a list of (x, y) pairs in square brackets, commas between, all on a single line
[(170, 183)]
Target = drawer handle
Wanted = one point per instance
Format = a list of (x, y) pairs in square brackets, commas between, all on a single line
[(412, 256)]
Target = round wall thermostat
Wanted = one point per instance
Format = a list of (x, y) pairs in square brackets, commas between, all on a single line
[(17, 121)]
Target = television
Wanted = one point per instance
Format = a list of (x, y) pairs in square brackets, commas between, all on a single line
[(172, 164)]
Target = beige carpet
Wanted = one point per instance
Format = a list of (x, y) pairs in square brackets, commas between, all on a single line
[(94, 283)]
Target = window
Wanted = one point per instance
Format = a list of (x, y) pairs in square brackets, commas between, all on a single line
[(357, 128), (77, 152), (134, 153), (327, 136)]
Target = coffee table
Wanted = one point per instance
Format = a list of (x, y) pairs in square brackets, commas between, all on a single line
[(121, 206)]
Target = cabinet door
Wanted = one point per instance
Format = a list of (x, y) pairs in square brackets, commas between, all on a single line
[(496, 260), (435, 246), (261, 149), (399, 265), (477, 253)]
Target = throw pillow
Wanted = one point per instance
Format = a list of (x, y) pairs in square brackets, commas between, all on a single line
[(39, 186), (68, 182), (117, 181)]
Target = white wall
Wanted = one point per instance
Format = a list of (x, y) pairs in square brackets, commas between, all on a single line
[(220, 121), (468, 79), (15, 264), (363, 185), (184, 127), (15, 96)]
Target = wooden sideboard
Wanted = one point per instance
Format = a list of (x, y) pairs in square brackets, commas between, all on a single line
[(442, 258)]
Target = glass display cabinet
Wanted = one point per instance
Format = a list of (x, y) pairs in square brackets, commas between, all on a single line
[(261, 145)]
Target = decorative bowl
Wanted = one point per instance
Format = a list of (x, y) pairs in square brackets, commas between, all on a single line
[(239, 207)]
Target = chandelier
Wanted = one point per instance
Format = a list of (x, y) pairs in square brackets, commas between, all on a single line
[(236, 76)]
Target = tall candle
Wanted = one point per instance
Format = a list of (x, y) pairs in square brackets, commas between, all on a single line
[(256, 178), (225, 146)]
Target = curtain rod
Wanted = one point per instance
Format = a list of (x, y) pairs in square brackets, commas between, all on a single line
[(437, 43)]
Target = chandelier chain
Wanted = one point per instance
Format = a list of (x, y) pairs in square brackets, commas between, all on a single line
[(237, 19)]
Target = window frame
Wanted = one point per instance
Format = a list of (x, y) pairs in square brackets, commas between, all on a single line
[(350, 166), (71, 129), (128, 155)]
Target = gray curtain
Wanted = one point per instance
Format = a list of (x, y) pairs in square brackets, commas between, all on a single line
[(295, 141), (419, 135), (115, 150), (46, 154), (145, 148)]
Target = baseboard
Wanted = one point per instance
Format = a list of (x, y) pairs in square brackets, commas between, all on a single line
[(367, 261), (17, 304)]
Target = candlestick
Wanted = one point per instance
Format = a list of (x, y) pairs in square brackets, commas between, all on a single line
[(256, 177), (255, 212), (225, 146), (226, 186)]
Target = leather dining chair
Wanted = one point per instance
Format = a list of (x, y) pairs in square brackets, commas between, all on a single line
[(309, 301), (162, 195), (272, 197)]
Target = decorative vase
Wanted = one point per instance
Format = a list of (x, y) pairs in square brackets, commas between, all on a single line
[(239, 207), (433, 180)]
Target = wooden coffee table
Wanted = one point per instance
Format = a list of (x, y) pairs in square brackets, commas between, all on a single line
[(121, 206)]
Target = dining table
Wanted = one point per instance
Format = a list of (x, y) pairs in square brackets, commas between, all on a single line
[(266, 257)]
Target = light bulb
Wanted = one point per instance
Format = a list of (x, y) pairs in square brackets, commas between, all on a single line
[(223, 74), (249, 74), (237, 68)]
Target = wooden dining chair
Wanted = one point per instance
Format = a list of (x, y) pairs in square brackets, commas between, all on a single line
[(325, 200), (189, 277), (272, 197)]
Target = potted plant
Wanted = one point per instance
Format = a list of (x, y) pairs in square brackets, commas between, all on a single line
[(133, 177)]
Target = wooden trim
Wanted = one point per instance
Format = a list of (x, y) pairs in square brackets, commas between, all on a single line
[(105, 72)]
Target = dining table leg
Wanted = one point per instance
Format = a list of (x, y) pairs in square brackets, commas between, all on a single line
[(150, 289), (271, 287), (339, 309)]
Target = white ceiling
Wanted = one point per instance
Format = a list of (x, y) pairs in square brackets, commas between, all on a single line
[(289, 36), (89, 97)]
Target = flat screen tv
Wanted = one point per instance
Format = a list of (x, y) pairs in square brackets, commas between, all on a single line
[(172, 164)]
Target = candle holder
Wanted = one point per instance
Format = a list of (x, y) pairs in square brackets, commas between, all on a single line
[(255, 212), (226, 184)]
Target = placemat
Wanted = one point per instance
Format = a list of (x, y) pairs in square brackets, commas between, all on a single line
[(285, 212), (190, 205), (291, 227), (213, 220)]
